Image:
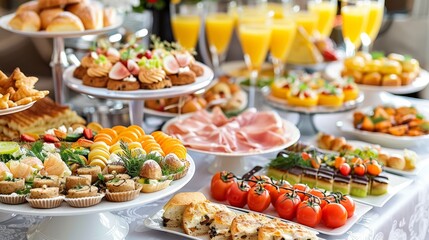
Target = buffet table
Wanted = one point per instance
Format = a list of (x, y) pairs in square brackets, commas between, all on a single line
[(405, 216)]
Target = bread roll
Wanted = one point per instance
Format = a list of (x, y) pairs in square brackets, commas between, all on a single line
[(47, 15), (173, 209), (65, 22), (51, 3), (109, 16), (391, 80), (91, 14), (28, 21), (372, 79), (29, 6), (396, 161)]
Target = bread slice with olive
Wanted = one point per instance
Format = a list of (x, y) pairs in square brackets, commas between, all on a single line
[(246, 226), (174, 208), (197, 217), (277, 229)]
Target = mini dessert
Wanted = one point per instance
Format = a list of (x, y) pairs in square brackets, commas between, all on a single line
[(154, 78), (152, 178), (124, 77), (280, 88), (9, 186), (117, 168), (97, 73), (331, 96), (294, 175), (309, 177), (74, 181), (197, 69), (90, 170), (49, 181), (174, 208), (379, 185), (83, 196), (122, 190), (391, 80), (82, 191), (45, 197), (108, 177), (341, 184), (303, 96), (350, 90), (176, 65), (359, 186), (325, 179)]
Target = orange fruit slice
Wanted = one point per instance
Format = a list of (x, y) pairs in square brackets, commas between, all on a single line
[(118, 129), (133, 145), (137, 128), (96, 127), (106, 140), (129, 134), (109, 132)]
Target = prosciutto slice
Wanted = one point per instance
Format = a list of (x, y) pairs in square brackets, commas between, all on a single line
[(251, 131)]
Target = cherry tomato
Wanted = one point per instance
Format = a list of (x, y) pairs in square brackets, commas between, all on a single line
[(237, 194), (309, 213), (259, 179), (359, 169), (258, 198), (301, 187), (305, 156), (349, 205), (280, 190), (334, 215), (338, 161), (220, 184), (374, 168), (287, 204), (345, 169), (356, 160), (318, 193)]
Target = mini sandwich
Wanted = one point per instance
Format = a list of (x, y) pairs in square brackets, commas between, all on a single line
[(220, 227), (173, 210), (277, 229), (197, 217), (246, 226)]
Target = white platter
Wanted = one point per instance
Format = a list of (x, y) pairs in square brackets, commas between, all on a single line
[(333, 71), (200, 83), (16, 109), (4, 23), (383, 139), (421, 163), (104, 206), (239, 69), (283, 105), (155, 222)]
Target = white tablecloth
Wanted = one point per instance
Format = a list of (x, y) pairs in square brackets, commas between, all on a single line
[(405, 216)]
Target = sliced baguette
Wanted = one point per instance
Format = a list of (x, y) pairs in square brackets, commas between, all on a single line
[(197, 217)]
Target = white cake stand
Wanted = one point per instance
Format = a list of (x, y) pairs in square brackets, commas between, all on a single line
[(373, 94), (239, 162), (59, 59), (90, 223), (137, 97)]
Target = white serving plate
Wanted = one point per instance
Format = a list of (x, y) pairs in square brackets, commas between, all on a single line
[(421, 163), (104, 206), (333, 71), (141, 94), (239, 69), (383, 139), (4, 23), (283, 104), (16, 109)]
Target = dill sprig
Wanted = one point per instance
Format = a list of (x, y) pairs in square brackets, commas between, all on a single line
[(132, 163)]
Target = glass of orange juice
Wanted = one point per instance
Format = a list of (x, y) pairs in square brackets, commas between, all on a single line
[(375, 18), (303, 17), (186, 22), (219, 26), (326, 10), (283, 33), (355, 18)]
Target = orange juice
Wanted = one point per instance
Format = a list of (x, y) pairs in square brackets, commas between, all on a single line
[(186, 29), (307, 20), (326, 12), (282, 36), (276, 10), (255, 41), (219, 28), (376, 11), (354, 23)]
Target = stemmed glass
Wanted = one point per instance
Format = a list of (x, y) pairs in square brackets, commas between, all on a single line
[(326, 10), (303, 17), (254, 34), (219, 26), (186, 22), (355, 17), (376, 11)]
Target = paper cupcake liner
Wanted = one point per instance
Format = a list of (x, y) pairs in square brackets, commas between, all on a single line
[(45, 202), (123, 196), (12, 199), (84, 201)]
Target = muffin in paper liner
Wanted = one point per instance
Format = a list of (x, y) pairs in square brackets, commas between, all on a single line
[(124, 196), (45, 202), (12, 199), (84, 201)]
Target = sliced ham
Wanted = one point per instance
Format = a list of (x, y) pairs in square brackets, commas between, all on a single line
[(251, 131)]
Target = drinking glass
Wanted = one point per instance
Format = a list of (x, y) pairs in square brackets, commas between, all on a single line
[(375, 18), (219, 25), (326, 10), (186, 21), (303, 17), (355, 17), (283, 33)]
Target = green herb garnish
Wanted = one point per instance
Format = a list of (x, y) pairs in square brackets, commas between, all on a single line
[(377, 55)]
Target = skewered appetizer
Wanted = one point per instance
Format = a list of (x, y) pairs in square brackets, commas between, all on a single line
[(378, 70), (120, 163), (400, 121), (62, 16), (132, 67)]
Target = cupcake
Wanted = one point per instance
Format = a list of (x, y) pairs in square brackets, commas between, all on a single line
[(45, 197), (97, 75), (123, 76), (83, 196), (10, 189), (122, 190)]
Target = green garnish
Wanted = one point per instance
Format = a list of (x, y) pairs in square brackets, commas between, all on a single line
[(407, 58), (425, 126), (378, 120), (291, 160), (36, 150), (132, 163), (420, 116), (101, 59), (377, 55), (70, 156)]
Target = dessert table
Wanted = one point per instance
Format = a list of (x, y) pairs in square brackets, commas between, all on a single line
[(405, 216)]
